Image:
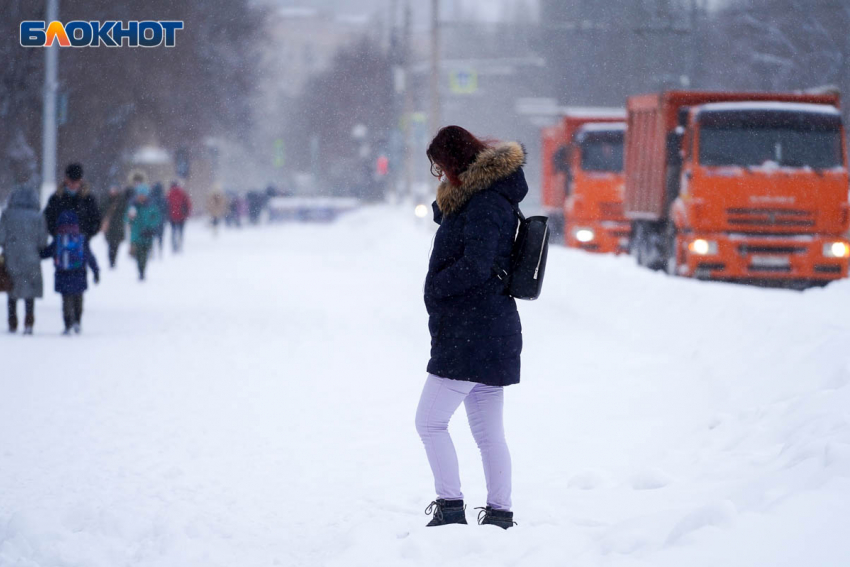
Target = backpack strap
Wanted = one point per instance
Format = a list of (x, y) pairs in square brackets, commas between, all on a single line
[(499, 271)]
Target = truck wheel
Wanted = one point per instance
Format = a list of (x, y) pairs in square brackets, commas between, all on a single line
[(637, 243), (672, 264), (652, 249), (556, 228)]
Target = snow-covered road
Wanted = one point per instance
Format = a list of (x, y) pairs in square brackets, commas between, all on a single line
[(252, 405)]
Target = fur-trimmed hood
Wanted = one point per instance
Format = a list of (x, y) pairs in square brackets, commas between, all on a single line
[(489, 166), (85, 188)]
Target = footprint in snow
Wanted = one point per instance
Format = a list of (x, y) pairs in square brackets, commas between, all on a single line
[(587, 480), (651, 479), (719, 514)]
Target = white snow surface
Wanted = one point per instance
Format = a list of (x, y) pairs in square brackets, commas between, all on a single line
[(252, 404)]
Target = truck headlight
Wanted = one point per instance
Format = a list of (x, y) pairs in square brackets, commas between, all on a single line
[(702, 247), (584, 235), (836, 250)]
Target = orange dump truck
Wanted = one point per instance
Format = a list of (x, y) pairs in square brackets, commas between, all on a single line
[(593, 210), (556, 144), (738, 186)]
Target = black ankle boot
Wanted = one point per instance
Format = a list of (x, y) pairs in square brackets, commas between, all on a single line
[(13, 323), (489, 516), (446, 512)]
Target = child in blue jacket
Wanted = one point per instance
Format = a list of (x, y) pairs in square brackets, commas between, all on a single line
[(71, 254)]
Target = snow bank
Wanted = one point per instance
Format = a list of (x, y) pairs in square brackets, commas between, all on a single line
[(252, 404)]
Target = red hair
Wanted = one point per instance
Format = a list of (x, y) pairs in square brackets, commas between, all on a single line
[(452, 151)]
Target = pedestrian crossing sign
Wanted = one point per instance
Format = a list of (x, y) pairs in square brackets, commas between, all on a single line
[(463, 81)]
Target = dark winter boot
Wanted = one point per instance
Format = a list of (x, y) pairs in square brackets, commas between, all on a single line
[(489, 516), (446, 512), (13, 322), (29, 322)]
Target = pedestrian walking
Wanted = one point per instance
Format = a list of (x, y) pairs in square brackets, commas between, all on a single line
[(144, 219), (113, 210), (75, 195), (71, 255), (256, 203), (159, 201), (476, 337), (23, 235), (233, 214), (217, 208), (179, 210)]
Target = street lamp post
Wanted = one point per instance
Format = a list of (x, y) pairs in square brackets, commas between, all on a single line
[(435, 66), (51, 85)]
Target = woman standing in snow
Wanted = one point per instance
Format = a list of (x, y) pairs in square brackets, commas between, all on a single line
[(476, 337)]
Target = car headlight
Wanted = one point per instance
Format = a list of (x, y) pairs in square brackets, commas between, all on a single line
[(836, 250), (702, 247), (421, 211), (584, 234)]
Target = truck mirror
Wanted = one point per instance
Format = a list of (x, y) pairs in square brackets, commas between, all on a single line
[(675, 153), (560, 160), (684, 112)]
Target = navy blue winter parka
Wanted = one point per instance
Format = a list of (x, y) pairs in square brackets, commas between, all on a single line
[(475, 327)]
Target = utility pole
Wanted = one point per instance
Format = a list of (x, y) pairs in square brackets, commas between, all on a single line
[(435, 66), (51, 85), (696, 10), (407, 111), (393, 19)]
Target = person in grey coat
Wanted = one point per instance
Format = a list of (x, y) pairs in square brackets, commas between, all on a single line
[(23, 234)]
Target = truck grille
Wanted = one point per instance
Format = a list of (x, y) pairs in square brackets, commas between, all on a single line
[(779, 269), (611, 209), (745, 249), (771, 217)]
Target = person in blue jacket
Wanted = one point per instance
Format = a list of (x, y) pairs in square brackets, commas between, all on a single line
[(71, 256), (476, 336)]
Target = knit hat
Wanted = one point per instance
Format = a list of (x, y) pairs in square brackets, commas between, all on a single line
[(74, 171), (142, 190)]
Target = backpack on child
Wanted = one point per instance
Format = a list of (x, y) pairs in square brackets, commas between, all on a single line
[(70, 252)]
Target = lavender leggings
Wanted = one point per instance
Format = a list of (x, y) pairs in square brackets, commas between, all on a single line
[(440, 399)]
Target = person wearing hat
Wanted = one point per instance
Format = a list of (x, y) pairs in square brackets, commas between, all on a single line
[(74, 195), (144, 218)]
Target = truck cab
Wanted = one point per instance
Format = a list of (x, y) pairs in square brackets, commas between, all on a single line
[(762, 192), (556, 142), (593, 208)]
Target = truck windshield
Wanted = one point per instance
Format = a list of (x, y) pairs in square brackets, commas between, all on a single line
[(786, 141), (602, 152)]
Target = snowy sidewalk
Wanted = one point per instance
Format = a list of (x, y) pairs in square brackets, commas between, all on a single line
[(252, 404)]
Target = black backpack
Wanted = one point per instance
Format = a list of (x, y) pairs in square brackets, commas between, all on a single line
[(524, 277)]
